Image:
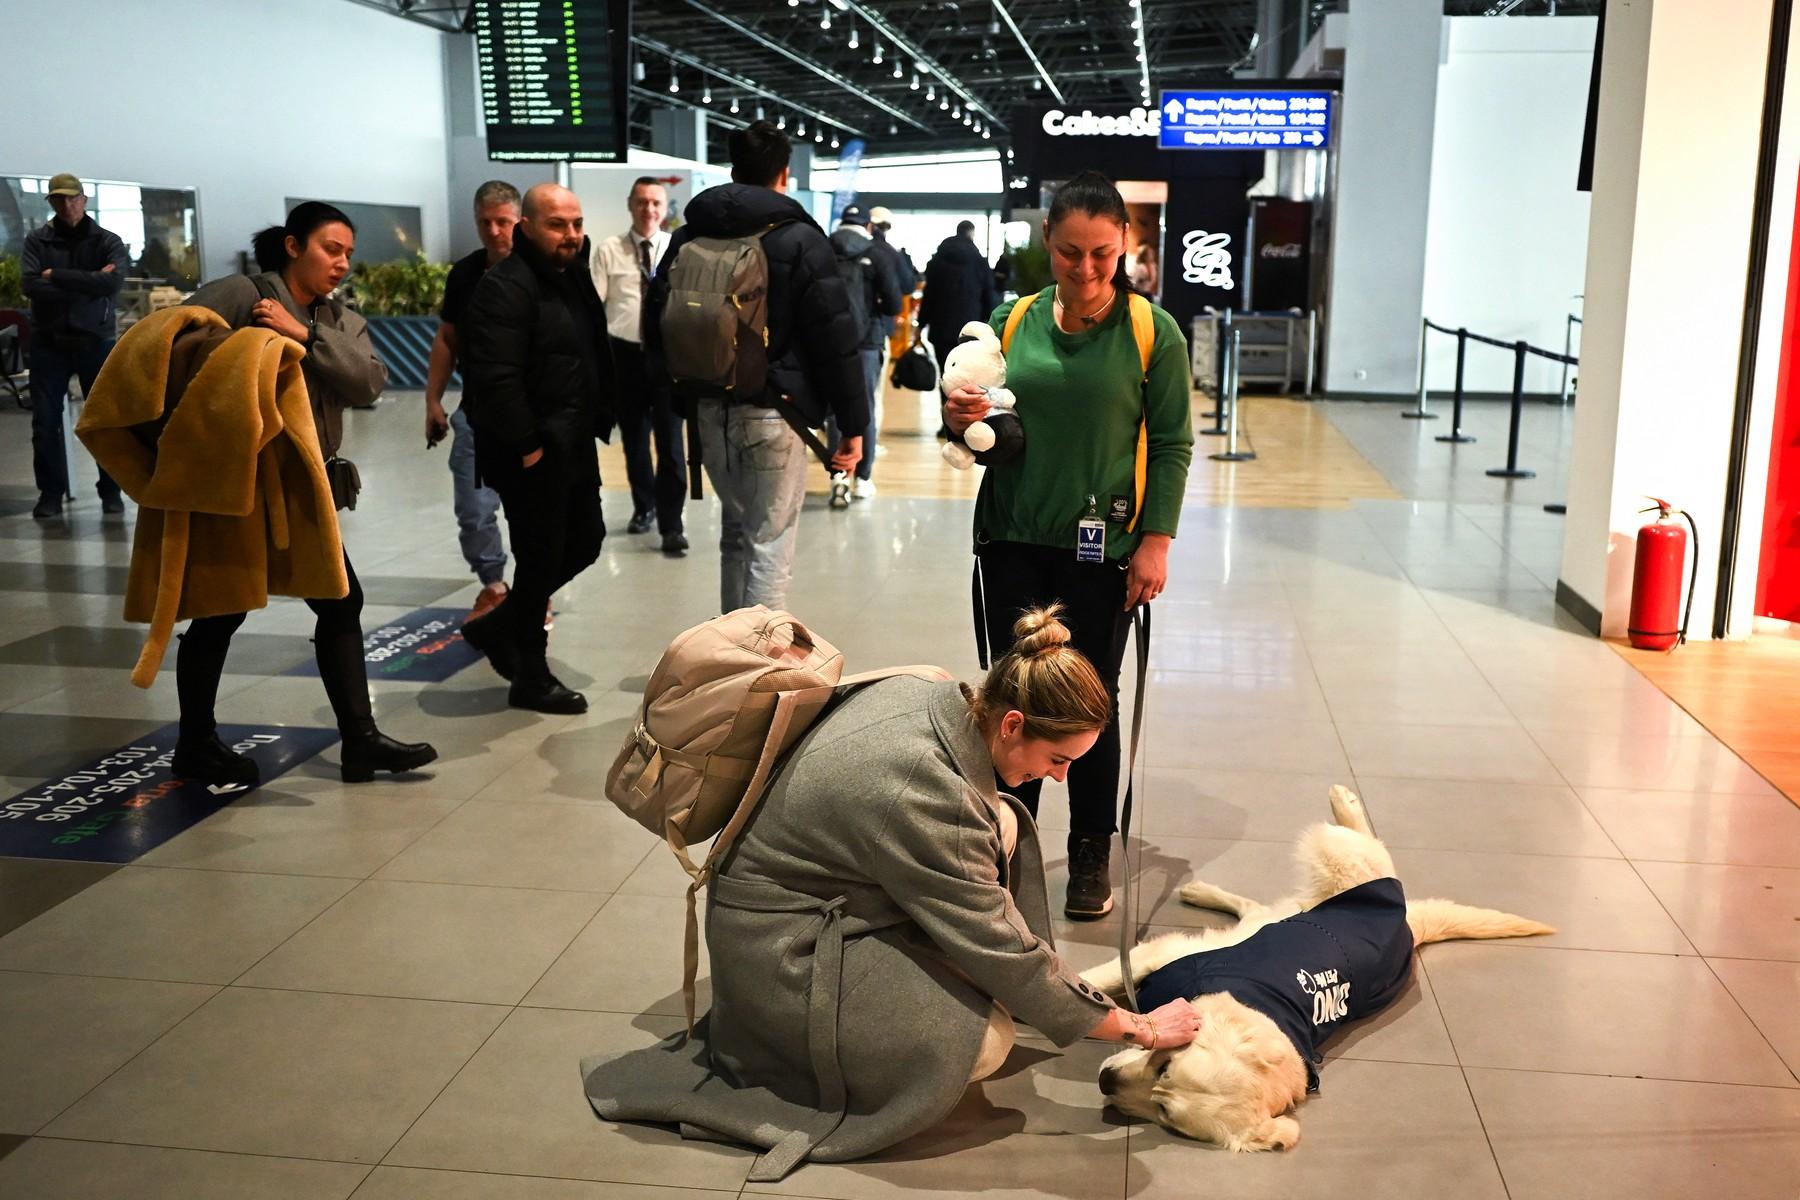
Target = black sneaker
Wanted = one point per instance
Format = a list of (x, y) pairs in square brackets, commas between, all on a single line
[(641, 522), (675, 545), (1090, 879), (112, 506), (48, 506)]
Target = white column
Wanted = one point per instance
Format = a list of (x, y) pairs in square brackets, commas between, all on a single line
[(1384, 137), (1681, 93)]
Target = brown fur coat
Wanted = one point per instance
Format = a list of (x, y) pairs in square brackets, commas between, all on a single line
[(233, 501)]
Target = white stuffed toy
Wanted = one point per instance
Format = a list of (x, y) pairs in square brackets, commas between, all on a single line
[(979, 362)]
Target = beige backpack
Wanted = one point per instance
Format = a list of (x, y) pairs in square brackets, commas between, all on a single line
[(727, 699)]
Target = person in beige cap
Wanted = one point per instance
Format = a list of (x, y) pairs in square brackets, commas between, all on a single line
[(72, 269)]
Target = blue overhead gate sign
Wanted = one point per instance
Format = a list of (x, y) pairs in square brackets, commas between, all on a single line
[(1221, 119)]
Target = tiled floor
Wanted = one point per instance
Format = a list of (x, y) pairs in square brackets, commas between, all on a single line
[(384, 991)]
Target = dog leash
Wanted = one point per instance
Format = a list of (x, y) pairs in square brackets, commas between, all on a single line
[(1140, 634)]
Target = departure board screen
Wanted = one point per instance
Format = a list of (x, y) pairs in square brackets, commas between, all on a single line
[(553, 78)]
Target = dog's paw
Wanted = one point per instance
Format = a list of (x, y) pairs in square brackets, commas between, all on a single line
[(1277, 1133), (1347, 810)]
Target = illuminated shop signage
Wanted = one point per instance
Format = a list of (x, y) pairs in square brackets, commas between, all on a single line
[(1139, 122)]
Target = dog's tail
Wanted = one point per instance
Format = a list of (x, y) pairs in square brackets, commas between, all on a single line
[(1446, 920)]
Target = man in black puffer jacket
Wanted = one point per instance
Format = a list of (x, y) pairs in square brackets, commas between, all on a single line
[(540, 388), (751, 450), (959, 288)]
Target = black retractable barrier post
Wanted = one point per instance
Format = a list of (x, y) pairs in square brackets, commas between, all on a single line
[(1231, 453), (1225, 368), (1456, 434), (1511, 469)]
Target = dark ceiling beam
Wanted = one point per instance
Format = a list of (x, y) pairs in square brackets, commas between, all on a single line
[(738, 81), (799, 59)]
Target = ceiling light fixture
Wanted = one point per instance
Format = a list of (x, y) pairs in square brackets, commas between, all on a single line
[(930, 92), (674, 79), (834, 141), (877, 59), (637, 70), (853, 42), (781, 120), (800, 127), (915, 81), (824, 18), (1143, 50), (898, 73), (706, 94), (734, 105)]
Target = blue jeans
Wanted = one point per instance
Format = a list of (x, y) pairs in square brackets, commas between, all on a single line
[(757, 465), (477, 507), (51, 370), (871, 365)]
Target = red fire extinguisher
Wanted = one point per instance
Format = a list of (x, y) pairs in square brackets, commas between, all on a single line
[(1656, 580)]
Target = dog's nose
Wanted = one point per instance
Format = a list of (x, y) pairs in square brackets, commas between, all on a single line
[(1109, 1080)]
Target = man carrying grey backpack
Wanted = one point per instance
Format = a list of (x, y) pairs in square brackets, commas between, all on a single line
[(749, 320)]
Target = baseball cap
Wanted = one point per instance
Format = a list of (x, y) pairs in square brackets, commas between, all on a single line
[(854, 215), (65, 185), (879, 215)]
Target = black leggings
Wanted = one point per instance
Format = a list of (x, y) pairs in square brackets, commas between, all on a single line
[(337, 644), (1016, 577)]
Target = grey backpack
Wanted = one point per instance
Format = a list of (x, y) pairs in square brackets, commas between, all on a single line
[(715, 326)]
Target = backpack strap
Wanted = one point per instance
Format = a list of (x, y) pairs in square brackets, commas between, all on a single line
[(1012, 321), (1143, 328)]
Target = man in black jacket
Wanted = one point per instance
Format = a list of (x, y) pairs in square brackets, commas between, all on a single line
[(752, 453), (72, 269), (541, 386), (959, 288), (862, 260)]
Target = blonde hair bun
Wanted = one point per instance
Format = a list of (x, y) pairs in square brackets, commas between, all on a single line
[(1039, 631)]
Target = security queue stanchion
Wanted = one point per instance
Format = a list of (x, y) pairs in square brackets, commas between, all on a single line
[(1226, 369), (1511, 469), (1218, 410), (1420, 413), (1231, 453), (1456, 433)]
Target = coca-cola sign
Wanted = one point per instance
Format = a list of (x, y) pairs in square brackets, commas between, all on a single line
[(1281, 250)]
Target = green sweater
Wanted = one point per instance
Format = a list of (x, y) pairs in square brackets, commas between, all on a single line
[(1079, 400)]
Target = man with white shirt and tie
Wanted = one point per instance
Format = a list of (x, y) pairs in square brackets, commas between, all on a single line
[(623, 266)]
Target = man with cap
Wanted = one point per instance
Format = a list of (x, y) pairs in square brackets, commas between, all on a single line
[(905, 273), (72, 269), (864, 267)]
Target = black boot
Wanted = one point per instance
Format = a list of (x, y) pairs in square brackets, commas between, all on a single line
[(535, 688), (209, 760), (1090, 880), (366, 749), (490, 633)]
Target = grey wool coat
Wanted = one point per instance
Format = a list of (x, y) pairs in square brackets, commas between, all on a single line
[(860, 930)]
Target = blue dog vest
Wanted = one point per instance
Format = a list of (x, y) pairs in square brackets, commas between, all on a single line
[(1346, 959)]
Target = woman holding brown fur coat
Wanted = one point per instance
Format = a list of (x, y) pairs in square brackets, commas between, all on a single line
[(302, 263)]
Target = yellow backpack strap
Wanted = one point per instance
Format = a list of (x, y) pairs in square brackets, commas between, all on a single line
[(1143, 327), (1012, 321)]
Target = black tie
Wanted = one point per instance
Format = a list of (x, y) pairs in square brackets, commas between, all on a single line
[(644, 291)]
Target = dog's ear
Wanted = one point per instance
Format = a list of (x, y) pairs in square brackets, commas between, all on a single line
[(1276, 1133)]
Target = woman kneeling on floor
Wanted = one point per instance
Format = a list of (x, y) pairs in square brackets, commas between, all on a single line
[(881, 920)]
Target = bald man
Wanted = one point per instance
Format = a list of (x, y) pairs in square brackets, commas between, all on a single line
[(540, 375)]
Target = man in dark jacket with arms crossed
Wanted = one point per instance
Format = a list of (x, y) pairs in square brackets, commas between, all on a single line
[(541, 384)]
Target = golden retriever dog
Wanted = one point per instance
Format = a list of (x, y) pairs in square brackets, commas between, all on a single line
[(1273, 987)]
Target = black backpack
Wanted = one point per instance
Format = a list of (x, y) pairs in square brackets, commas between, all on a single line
[(858, 273)]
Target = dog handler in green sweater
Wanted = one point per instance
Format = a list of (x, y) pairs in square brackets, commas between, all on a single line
[(1085, 514)]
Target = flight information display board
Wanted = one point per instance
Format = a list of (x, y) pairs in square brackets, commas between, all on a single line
[(1249, 119), (553, 78)]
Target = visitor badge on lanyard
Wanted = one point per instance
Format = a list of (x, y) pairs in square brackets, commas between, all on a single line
[(1090, 536)]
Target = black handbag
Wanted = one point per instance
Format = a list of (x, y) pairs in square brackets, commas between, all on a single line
[(915, 370), (340, 473)]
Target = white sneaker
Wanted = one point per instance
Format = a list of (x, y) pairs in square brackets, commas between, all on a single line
[(840, 490), (863, 489)]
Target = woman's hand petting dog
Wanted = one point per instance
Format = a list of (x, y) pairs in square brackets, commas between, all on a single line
[(1173, 1025)]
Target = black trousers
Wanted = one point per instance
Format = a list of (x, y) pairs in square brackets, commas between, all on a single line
[(646, 412), (1016, 577), (554, 524), (337, 645)]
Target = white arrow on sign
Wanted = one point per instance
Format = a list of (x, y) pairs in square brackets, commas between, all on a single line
[(1315, 137), (225, 789), (1173, 110)]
